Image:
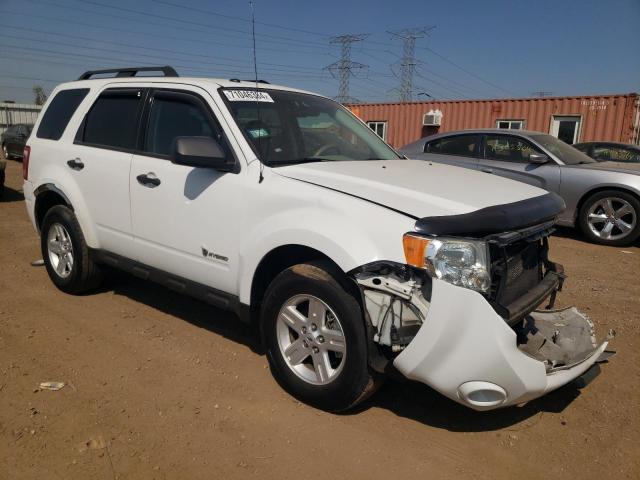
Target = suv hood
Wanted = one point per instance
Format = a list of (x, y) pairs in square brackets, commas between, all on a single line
[(414, 187)]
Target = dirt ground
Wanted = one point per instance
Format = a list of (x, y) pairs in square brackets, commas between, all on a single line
[(163, 386)]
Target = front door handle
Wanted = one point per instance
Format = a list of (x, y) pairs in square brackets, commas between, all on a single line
[(486, 170), (148, 180), (75, 164)]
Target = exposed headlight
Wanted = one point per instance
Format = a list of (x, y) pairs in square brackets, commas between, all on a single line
[(461, 262)]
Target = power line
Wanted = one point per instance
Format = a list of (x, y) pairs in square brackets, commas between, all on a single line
[(155, 35), (164, 17), (77, 37), (343, 69), (231, 17), (469, 72)]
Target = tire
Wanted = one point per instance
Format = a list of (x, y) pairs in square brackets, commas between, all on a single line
[(61, 240), (347, 377), (600, 219)]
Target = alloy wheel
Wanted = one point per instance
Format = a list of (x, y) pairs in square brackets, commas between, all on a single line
[(311, 339), (60, 250), (611, 218)]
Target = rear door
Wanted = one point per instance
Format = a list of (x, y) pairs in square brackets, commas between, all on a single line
[(101, 162), (508, 156), (458, 150)]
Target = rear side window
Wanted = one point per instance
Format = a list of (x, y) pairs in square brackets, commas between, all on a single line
[(112, 121), (59, 112), (463, 145)]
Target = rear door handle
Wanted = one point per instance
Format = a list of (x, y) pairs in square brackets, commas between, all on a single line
[(148, 180), (486, 170), (75, 164)]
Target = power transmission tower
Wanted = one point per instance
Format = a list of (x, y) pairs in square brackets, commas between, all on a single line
[(408, 62), (344, 68)]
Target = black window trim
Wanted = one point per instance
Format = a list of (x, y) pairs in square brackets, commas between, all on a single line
[(192, 97), (113, 90), (477, 150)]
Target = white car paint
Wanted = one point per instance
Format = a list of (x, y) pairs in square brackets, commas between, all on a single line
[(355, 212)]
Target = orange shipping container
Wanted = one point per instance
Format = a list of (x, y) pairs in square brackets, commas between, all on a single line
[(614, 118)]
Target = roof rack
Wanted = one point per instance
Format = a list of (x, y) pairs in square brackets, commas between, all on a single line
[(130, 72), (237, 80)]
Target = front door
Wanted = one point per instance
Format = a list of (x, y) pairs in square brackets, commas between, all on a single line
[(186, 220), (508, 156), (566, 128)]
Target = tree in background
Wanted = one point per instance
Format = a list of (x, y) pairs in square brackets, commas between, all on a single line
[(41, 97)]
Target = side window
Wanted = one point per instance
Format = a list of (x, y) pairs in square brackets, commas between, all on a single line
[(112, 121), (619, 154), (59, 112), (508, 149), (177, 115), (602, 153), (11, 130), (462, 145)]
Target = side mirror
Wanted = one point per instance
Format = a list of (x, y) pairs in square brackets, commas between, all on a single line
[(202, 152), (538, 158)]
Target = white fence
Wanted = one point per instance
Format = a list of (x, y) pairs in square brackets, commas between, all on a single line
[(14, 113)]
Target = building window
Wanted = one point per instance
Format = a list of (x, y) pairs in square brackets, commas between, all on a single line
[(380, 128), (510, 124), (566, 128)]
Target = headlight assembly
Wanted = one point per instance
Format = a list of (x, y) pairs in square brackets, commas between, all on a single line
[(461, 262)]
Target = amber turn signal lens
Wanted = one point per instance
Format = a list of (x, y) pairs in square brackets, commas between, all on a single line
[(414, 249)]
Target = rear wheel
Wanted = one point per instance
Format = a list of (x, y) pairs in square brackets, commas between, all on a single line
[(316, 339), (610, 217), (65, 253)]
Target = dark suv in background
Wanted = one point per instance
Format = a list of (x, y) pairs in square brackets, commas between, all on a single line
[(14, 139)]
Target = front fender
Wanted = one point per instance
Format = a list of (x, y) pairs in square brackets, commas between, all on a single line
[(365, 234)]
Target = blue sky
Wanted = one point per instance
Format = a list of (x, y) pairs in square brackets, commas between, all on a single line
[(479, 49)]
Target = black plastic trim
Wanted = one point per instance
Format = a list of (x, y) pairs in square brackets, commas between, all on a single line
[(495, 219), (166, 70), (210, 295), (522, 306), (50, 187)]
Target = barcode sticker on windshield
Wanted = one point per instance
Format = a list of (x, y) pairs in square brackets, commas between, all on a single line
[(248, 96)]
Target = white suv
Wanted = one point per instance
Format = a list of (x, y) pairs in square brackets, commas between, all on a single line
[(284, 207)]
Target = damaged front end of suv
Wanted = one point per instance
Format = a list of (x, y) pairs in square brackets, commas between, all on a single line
[(462, 315)]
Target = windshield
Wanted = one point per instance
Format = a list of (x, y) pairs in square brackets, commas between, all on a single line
[(565, 152), (287, 127)]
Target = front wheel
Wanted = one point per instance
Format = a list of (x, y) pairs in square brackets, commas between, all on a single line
[(316, 339), (610, 217)]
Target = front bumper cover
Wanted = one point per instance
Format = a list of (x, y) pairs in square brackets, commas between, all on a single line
[(467, 352)]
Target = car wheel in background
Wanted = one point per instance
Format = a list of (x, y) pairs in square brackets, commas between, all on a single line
[(611, 217), (5, 152), (65, 252), (316, 339)]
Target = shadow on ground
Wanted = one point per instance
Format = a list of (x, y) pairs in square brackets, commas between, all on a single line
[(406, 399), (11, 195), (196, 312)]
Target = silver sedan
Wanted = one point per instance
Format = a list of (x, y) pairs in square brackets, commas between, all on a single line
[(602, 198)]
